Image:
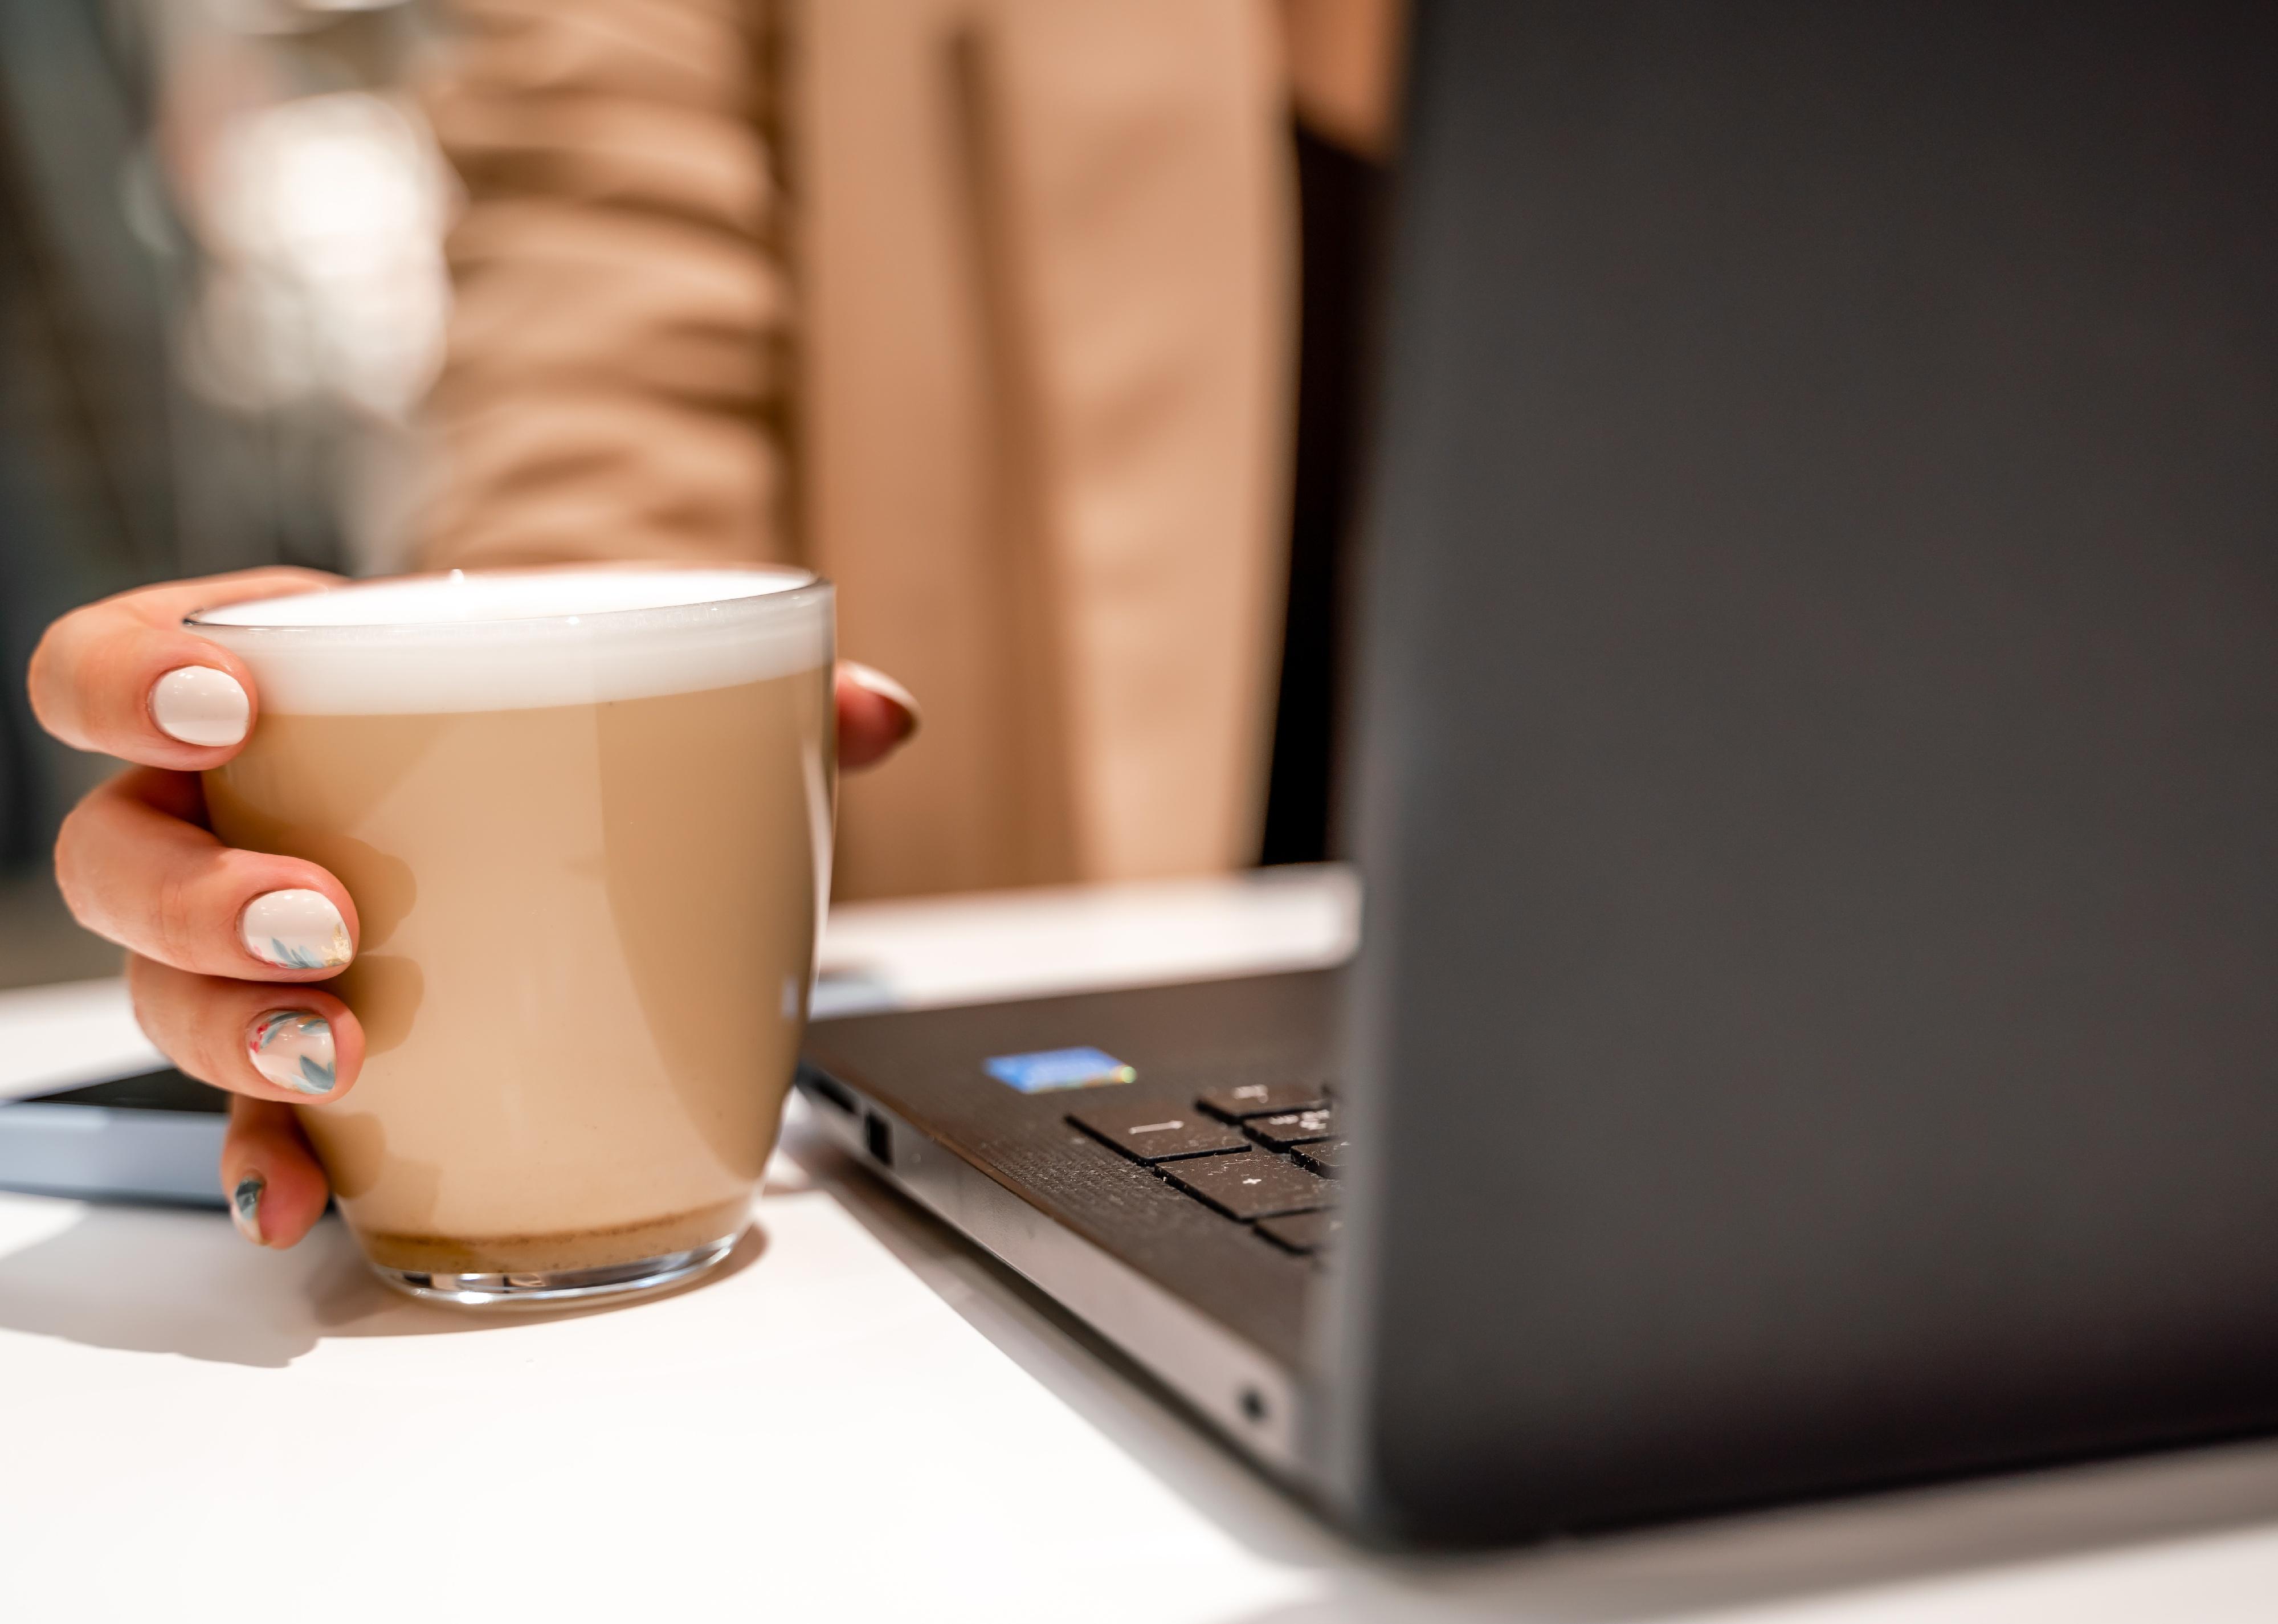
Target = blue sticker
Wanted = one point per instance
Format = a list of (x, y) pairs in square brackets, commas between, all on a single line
[(1054, 1069)]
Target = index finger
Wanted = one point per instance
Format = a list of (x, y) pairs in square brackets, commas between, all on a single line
[(121, 676)]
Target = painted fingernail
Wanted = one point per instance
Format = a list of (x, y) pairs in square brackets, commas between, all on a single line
[(295, 929), (887, 689), (245, 1206), (293, 1048), (199, 705)]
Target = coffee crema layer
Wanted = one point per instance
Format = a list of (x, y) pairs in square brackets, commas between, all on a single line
[(520, 638)]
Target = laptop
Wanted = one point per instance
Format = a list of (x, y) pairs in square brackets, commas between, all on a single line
[(1816, 1027)]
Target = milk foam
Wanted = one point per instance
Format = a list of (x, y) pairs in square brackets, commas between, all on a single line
[(523, 638)]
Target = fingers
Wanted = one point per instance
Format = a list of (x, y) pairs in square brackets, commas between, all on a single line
[(275, 1186), (298, 1045), (134, 869), (877, 715), (274, 1048), (124, 678)]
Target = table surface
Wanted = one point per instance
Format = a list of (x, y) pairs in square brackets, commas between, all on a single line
[(861, 1418)]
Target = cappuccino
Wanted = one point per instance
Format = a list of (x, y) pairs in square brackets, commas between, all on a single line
[(585, 816)]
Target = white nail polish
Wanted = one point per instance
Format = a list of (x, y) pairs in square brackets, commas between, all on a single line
[(199, 705), (295, 929)]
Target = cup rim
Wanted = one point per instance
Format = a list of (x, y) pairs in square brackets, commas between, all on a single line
[(791, 588)]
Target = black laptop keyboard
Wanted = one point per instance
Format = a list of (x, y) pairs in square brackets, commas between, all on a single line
[(1263, 1154)]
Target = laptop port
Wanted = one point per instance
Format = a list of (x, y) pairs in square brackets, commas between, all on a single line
[(831, 1089), (879, 1138)]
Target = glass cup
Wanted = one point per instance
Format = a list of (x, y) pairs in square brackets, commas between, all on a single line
[(585, 816)]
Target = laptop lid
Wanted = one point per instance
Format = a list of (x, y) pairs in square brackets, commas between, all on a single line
[(1817, 1025)]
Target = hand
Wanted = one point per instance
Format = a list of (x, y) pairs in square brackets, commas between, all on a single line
[(212, 933)]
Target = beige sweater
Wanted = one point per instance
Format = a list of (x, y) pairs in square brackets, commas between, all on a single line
[(1027, 408)]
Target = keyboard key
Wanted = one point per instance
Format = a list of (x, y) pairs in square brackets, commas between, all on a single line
[(1285, 1128), (1250, 1100), (1253, 1186), (1157, 1132), (1327, 1157), (1301, 1232)]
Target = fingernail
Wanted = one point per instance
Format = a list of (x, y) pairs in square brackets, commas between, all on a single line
[(199, 705), (245, 1206), (295, 929), (886, 688), (293, 1048)]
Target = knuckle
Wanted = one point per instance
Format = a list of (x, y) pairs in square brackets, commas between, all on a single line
[(70, 833), (182, 1018), (54, 679), (71, 860), (39, 678), (150, 1014), (174, 920)]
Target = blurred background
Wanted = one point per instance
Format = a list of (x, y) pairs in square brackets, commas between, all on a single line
[(222, 294), (225, 305)]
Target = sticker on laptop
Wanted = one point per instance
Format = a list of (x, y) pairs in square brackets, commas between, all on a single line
[(1048, 1070)]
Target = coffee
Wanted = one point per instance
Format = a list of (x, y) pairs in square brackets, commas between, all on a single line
[(588, 851)]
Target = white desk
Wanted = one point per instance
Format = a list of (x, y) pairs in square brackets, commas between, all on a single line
[(862, 1420)]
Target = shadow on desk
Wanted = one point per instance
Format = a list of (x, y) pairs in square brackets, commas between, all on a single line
[(153, 1280), (1765, 1559)]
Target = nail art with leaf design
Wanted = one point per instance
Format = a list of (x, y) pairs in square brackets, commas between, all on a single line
[(293, 1048), (245, 1206)]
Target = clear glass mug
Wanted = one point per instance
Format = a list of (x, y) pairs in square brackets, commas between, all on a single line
[(586, 817)]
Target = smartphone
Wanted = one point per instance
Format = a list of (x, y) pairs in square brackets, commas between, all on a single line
[(154, 1137)]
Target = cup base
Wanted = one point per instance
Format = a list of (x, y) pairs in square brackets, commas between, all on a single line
[(559, 1287)]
